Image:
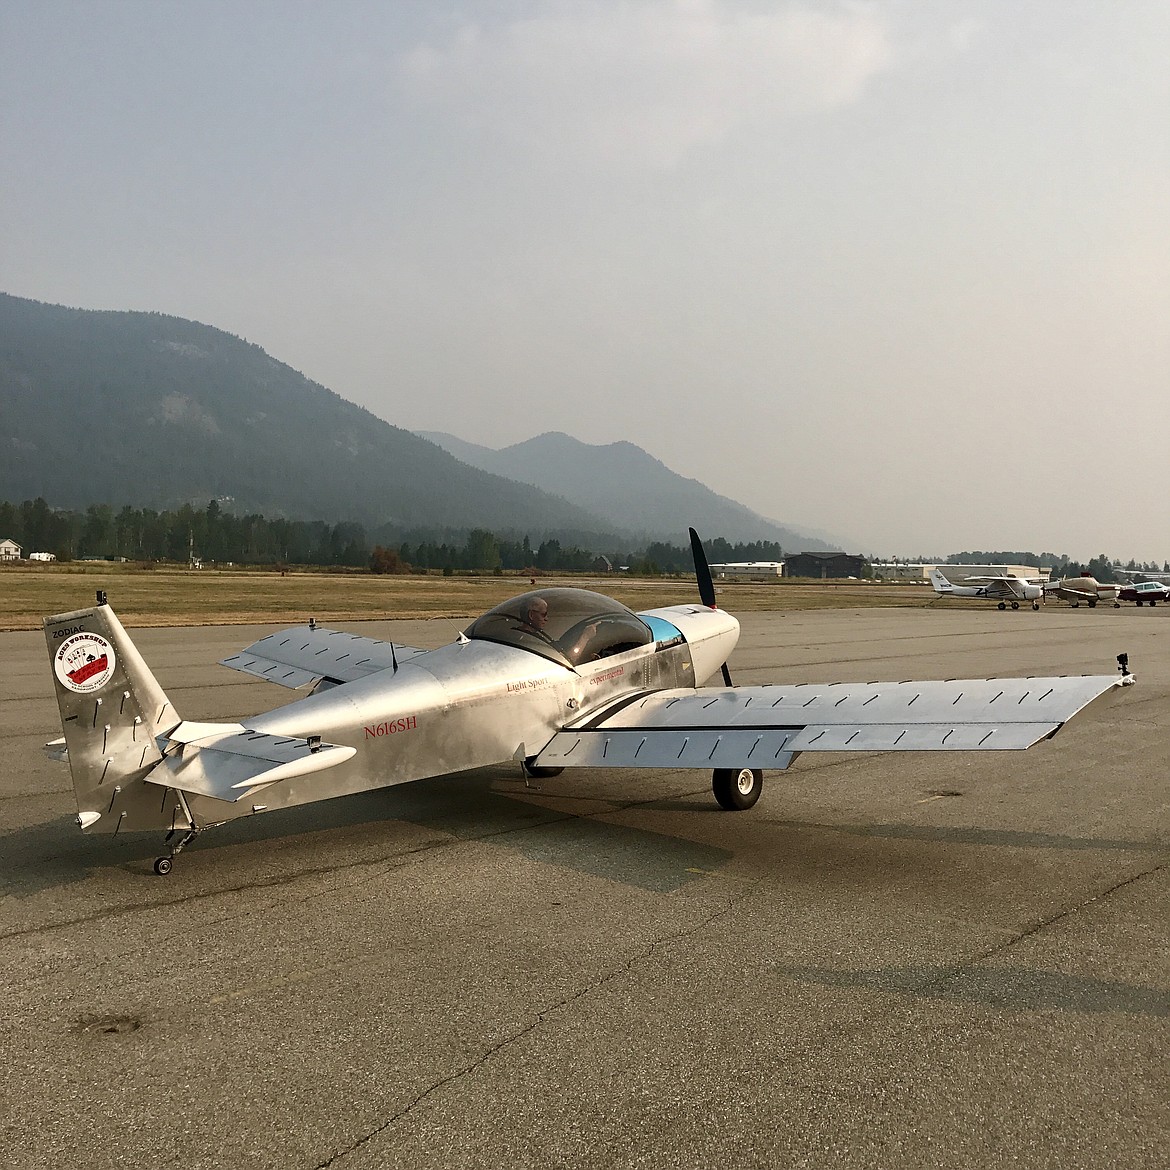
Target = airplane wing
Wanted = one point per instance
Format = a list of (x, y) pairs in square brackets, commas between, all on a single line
[(1081, 594), (1009, 587), (767, 726), (305, 655)]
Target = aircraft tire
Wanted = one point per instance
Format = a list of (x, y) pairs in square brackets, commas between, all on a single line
[(1035, 605), (1140, 603), (1092, 603), (737, 789), (1152, 603), (1015, 605), (1001, 605), (533, 772), (162, 866)]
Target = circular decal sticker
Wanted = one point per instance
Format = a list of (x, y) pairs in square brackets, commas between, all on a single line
[(84, 662)]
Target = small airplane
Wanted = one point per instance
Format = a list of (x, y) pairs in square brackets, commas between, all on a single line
[(1074, 590), (554, 678), (1006, 591), (1144, 592)]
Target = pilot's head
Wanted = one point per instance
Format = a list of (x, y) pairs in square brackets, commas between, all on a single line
[(537, 613)]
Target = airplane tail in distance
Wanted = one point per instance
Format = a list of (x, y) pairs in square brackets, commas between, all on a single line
[(112, 713), (940, 583)]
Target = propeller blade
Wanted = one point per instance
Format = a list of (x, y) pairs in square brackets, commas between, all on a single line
[(706, 586), (702, 572)]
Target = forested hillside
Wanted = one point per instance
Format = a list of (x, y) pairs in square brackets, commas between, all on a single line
[(140, 409)]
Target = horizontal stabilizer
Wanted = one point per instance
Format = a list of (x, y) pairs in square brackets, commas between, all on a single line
[(306, 655), (227, 762)]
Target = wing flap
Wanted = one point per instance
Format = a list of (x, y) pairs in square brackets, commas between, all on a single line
[(228, 762), (303, 656)]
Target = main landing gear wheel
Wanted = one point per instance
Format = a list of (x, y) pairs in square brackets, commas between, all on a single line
[(1001, 606), (533, 772), (162, 866), (1092, 603), (1015, 605), (1035, 605), (737, 788)]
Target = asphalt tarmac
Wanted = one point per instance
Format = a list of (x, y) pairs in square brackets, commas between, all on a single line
[(894, 960)]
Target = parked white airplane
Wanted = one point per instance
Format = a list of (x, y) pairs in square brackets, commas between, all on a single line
[(1006, 591)]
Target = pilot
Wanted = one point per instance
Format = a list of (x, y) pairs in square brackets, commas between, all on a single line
[(536, 618)]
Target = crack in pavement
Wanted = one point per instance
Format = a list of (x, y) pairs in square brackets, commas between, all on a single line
[(953, 973), (541, 1016)]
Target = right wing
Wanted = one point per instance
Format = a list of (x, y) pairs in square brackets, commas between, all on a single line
[(304, 655), (767, 726)]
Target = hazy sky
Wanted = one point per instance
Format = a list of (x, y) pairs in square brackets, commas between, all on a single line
[(899, 271)]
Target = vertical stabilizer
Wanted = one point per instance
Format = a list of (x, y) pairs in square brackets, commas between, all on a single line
[(112, 713), (940, 583)]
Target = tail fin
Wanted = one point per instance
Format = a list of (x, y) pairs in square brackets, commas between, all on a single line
[(940, 583), (112, 711)]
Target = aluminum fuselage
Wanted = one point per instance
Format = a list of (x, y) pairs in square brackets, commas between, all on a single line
[(466, 705)]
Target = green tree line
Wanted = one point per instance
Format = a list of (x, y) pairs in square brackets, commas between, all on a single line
[(215, 535)]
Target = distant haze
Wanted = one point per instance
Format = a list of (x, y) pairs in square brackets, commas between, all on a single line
[(895, 271)]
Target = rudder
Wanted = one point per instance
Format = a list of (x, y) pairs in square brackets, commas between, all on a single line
[(112, 713)]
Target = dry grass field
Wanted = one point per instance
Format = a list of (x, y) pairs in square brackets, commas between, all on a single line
[(171, 596)]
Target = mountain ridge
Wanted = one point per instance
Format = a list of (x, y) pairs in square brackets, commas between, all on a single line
[(106, 406), (603, 477), (142, 408)]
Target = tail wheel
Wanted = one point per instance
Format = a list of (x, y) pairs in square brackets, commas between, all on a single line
[(737, 788)]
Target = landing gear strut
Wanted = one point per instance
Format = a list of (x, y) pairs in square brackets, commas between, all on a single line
[(162, 865)]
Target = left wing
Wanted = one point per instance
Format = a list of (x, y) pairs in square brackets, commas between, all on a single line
[(767, 726), (311, 654)]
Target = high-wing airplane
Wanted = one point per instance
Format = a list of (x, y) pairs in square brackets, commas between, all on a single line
[(1006, 591), (554, 678), (1074, 590)]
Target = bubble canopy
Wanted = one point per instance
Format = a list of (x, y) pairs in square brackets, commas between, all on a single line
[(569, 626)]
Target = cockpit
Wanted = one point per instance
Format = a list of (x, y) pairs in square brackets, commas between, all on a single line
[(569, 626)]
